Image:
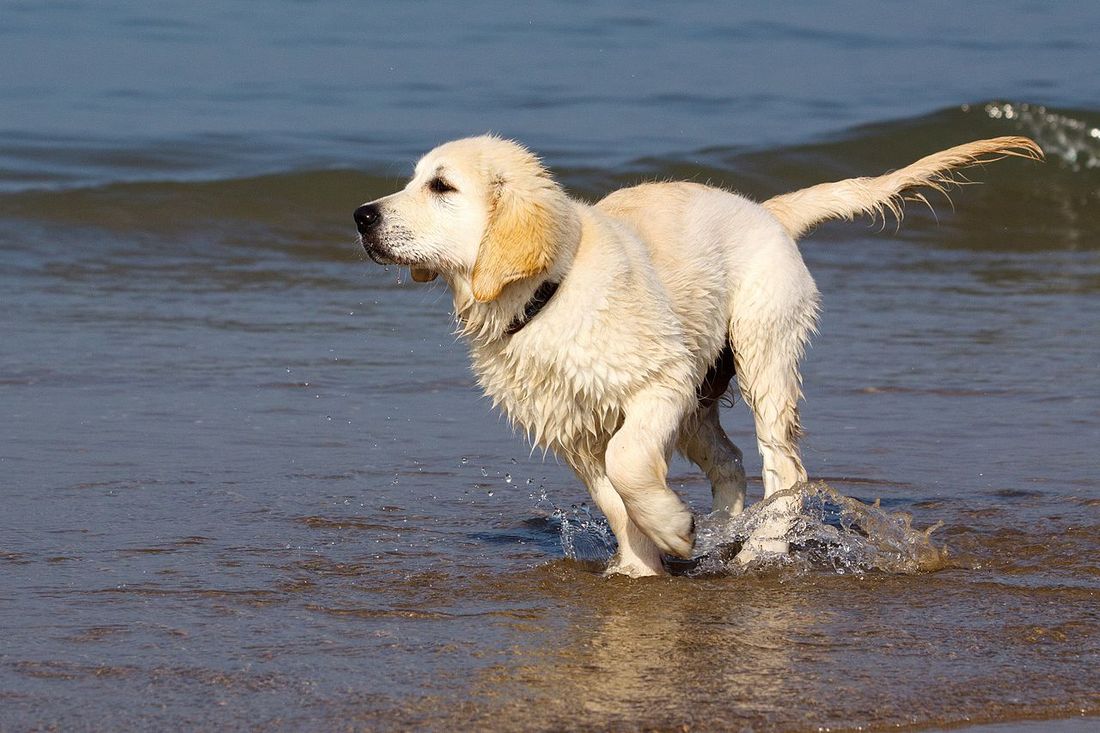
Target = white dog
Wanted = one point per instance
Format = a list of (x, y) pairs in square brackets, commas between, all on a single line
[(609, 332)]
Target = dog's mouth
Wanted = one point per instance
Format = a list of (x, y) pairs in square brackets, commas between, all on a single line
[(379, 256), (372, 245)]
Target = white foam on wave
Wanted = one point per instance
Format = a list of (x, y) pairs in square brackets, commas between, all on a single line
[(1075, 141)]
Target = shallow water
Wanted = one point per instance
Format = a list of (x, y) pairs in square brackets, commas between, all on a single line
[(246, 479)]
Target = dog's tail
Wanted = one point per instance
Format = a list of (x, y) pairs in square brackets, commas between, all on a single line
[(799, 211)]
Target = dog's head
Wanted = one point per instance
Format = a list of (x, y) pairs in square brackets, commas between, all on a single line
[(483, 209)]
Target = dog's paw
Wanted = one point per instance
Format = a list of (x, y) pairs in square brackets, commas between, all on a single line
[(633, 567), (754, 549), (678, 541), (769, 538), (667, 522)]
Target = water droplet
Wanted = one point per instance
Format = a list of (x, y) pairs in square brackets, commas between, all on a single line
[(507, 478), (465, 460), (490, 493)]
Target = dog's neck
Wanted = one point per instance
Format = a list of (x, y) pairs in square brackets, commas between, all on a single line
[(543, 293), (492, 323)]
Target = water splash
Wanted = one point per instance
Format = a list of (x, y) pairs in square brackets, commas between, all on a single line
[(584, 538), (834, 533)]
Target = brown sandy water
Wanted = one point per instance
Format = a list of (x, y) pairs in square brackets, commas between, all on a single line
[(246, 480)]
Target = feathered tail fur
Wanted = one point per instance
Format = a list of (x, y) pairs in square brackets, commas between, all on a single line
[(799, 211)]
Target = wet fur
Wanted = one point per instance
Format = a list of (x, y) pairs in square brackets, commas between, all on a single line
[(668, 292)]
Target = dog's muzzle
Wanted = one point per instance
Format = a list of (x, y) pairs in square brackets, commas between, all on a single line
[(368, 220)]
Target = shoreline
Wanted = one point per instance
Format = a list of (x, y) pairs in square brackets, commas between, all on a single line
[(1082, 724)]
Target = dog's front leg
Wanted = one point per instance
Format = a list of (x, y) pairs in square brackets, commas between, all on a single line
[(637, 464), (637, 555)]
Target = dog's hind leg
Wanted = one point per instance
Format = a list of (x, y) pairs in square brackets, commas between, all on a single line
[(772, 395), (769, 333), (637, 555), (705, 443)]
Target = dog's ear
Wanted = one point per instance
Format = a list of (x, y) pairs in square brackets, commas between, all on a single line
[(519, 239), (421, 275)]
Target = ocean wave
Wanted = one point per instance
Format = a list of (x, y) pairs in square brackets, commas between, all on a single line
[(1071, 137), (1062, 194)]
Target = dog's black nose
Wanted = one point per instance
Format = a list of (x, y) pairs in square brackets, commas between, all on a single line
[(367, 217)]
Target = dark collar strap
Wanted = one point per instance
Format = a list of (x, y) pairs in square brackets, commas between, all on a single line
[(537, 302)]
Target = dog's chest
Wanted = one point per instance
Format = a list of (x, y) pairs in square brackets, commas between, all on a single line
[(564, 390)]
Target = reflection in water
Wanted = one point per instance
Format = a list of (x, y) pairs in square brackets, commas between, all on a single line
[(782, 651), (649, 644), (658, 653)]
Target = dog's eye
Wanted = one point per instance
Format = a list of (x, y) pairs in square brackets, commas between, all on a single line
[(440, 186)]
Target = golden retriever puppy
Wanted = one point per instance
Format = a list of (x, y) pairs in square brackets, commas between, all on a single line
[(608, 332)]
